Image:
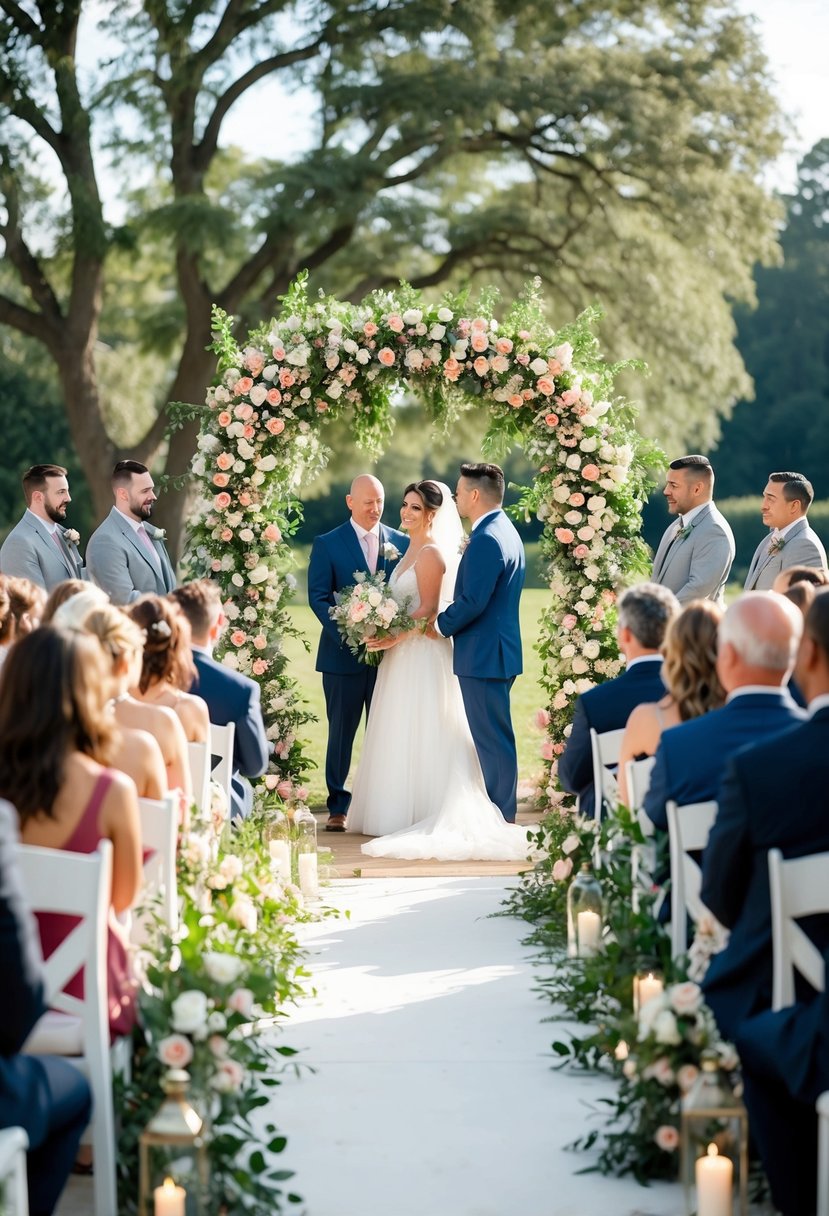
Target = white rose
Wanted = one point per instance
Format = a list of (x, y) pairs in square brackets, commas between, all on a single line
[(247, 536), (561, 493), (334, 390), (189, 1012), (445, 315), (350, 346), (237, 580), (258, 394), (564, 354), (585, 533), (298, 355), (241, 1001), (243, 911), (589, 444), (245, 450), (239, 466), (258, 575), (375, 598), (363, 355), (414, 359), (591, 649), (573, 461), (685, 998), (198, 466), (567, 651), (270, 371), (607, 452), (665, 1029), (539, 366), (412, 316), (223, 969), (619, 474), (600, 408), (305, 393), (437, 332), (579, 666), (570, 844)]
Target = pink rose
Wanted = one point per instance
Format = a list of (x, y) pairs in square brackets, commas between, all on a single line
[(272, 533), (241, 1001), (386, 355), (243, 412), (243, 385), (524, 335), (551, 420), (558, 748), (577, 500), (226, 535), (500, 364), (273, 396), (369, 329), (516, 401), (260, 641), (667, 1138), (542, 719), (570, 396), (301, 793), (222, 501), (218, 1046), (228, 1077), (503, 346), (686, 1075), (553, 366), (451, 369), (249, 431), (244, 499), (481, 365), (547, 750), (590, 473), (175, 1051), (479, 323), (580, 551), (358, 611), (220, 480), (395, 323), (564, 535), (479, 341), (545, 386), (279, 353), (286, 377), (224, 460), (238, 637), (215, 565), (275, 425), (225, 418), (562, 869), (285, 788), (569, 621), (522, 359), (259, 667), (255, 361)]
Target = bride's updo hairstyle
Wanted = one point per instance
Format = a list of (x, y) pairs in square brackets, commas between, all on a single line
[(429, 492), (167, 646)]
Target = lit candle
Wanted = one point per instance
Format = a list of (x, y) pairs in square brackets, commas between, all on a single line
[(169, 1199), (309, 875), (713, 1177), (280, 851), (589, 924), (645, 988), (621, 1052)]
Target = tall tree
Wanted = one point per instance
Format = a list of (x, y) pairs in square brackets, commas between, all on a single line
[(785, 345), (614, 147)]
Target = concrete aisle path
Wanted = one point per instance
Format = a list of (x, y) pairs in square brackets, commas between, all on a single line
[(433, 1094)]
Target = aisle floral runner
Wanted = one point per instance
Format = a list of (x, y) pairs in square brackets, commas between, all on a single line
[(262, 442)]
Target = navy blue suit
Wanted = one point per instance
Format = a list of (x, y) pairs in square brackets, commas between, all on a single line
[(483, 621), (47, 1097), (605, 707), (773, 796), (691, 758), (233, 697), (347, 683)]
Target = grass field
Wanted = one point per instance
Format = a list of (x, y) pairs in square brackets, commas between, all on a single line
[(526, 694)]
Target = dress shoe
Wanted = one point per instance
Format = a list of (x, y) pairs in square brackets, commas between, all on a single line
[(336, 823)]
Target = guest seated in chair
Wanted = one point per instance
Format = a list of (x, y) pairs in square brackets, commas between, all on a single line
[(25, 606), (230, 695), (57, 738), (689, 672), (46, 1096), (772, 797), (168, 670), (644, 614), (757, 641)]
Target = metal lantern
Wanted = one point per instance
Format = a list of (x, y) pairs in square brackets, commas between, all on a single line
[(714, 1144), (277, 836), (305, 845), (584, 914), (173, 1172)]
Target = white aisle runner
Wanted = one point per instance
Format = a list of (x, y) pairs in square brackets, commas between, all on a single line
[(433, 1094)]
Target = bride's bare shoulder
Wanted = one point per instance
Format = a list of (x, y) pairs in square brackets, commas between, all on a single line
[(432, 554)]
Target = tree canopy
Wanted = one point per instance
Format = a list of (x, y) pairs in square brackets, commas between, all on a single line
[(614, 148)]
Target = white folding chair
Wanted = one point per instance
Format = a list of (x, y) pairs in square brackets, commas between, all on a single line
[(798, 887), (688, 830), (221, 745), (200, 774), (642, 856), (159, 833), (823, 1155), (79, 884), (14, 1191), (606, 748)]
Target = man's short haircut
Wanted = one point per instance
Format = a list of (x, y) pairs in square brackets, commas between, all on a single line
[(489, 479), (698, 467), (795, 487), (34, 479), (817, 621), (647, 610), (201, 603), (770, 653), (124, 471)]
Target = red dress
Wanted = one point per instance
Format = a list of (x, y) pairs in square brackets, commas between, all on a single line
[(55, 926)]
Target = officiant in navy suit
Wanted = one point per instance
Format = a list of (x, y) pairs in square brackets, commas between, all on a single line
[(483, 622), (40, 547), (362, 543)]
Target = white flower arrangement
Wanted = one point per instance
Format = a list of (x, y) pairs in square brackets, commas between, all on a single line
[(71, 536), (391, 553)]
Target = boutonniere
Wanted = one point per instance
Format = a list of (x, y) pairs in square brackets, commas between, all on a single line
[(776, 544), (684, 533), (390, 552), (464, 545), (159, 533), (71, 536)]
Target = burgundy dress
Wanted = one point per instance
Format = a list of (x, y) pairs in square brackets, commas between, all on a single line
[(55, 926)]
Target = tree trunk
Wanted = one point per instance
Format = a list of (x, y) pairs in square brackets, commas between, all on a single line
[(79, 381)]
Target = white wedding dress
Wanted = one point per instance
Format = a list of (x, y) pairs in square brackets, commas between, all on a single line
[(419, 786)]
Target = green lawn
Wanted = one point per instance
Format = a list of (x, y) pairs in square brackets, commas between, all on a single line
[(527, 697)]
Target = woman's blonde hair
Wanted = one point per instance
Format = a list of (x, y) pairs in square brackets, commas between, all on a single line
[(118, 634), (689, 670)]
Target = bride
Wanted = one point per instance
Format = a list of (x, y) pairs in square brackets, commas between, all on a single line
[(419, 786)]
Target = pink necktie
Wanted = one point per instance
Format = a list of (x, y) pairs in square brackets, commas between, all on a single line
[(57, 541), (372, 547), (148, 544)]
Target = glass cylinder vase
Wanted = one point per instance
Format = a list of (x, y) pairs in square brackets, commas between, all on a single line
[(305, 847), (714, 1144), (277, 836), (584, 914)]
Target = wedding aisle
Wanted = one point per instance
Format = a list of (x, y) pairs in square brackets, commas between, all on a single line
[(433, 1091)]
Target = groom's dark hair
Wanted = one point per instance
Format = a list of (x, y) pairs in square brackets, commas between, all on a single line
[(795, 486), (699, 467), (489, 479)]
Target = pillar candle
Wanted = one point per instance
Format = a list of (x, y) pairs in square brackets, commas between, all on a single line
[(645, 988), (309, 875), (713, 1177), (280, 851), (589, 925), (169, 1199)]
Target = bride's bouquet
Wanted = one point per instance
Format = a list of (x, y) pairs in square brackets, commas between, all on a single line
[(367, 611)]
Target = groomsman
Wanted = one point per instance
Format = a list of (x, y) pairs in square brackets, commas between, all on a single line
[(126, 554), (483, 621), (695, 554), (362, 543), (786, 501), (39, 548)]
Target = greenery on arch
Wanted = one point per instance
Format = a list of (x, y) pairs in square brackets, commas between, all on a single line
[(262, 440)]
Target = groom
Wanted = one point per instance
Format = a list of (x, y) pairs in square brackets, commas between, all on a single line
[(361, 544), (483, 620)]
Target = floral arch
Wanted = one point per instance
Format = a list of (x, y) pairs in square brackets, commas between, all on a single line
[(261, 441)]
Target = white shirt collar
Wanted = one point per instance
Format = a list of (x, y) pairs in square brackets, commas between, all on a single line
[(362, 533), (689, 516), (644, 658), (751, 690), (49, 524), (821, 702), (481, 518), (785, 531), (135, 524)]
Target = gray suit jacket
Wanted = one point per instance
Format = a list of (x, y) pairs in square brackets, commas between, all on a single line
[(802, 547), (120, 564), (29, 552), (696, 567)]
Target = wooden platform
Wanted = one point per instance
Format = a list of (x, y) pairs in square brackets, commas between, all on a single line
[(346, 860)]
